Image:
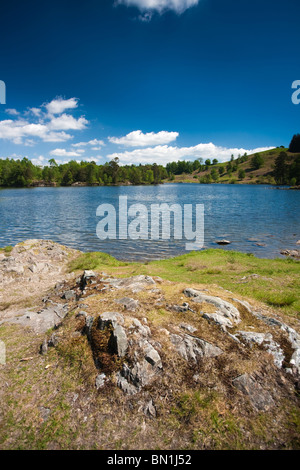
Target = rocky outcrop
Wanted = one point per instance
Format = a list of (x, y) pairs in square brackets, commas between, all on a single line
[(192, 348), (226, 314), (141, 336)]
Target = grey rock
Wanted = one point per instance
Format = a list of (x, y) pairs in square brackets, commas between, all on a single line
[(223, 307), (124, 385), (152, 356), (146, 368), (266, 340), (292, 253), (45, 413), (118, 341), (292, 336), (223, 242), (110, 319), (135, 283), (182, 308), (47, 318), (87, 278), (149, 409), (251, 337), (142, 330), (81, 313), (53, 341), (261, 399), (219, 319), (69, 295), (100, 381), (189, 328), (88, 326), (128, 303), (194, 349), (44, 347)]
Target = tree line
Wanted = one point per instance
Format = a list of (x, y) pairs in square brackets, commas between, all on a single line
[(23, 173)]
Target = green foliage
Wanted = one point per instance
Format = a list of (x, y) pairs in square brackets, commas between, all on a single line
[(286, 172), (295, 144), (206, 179), (23, 173), (242, 174), (257, 161)]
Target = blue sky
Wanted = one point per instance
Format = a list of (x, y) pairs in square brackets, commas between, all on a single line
[(147, 80)]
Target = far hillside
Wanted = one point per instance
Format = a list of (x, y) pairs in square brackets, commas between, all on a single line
[(276, 166)]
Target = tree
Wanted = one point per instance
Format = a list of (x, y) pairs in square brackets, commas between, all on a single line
[(242, 174), (214, 175), (215, 161), (295, 144), (257, 161), (114, 168), (207, 162), (280, 170)]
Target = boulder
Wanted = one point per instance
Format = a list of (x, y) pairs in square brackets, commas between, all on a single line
[(128, 303), (223, 307), (260, 399), (218, 319), (194, 349), (223, 242), (87, 278), (69, 295), (118, 342)]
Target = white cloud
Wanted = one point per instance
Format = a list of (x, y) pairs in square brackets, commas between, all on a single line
[(35, 111), (37, 124), (179, 6), (138, 139), (91, 142), (40, 161), (57, 137), (67, 122), (12, 112), (15, 131), (64, 153), (59, 105), (163, 154)]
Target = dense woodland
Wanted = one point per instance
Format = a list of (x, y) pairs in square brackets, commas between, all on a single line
[(23, 173)]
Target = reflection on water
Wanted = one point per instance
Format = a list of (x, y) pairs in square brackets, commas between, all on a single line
[(244, 214)]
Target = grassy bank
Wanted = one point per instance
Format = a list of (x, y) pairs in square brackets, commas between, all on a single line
[(273, 282)]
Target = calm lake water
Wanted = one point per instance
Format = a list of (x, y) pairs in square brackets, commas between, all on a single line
[(243, 214)]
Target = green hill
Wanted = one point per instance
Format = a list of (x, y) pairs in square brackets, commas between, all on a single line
[(260, 168)]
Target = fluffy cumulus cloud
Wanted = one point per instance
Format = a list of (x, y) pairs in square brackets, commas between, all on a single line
[(49, 126), (163, 154), (12, 112), (59, 105), (138, 139), (67, 122), (179, 6)]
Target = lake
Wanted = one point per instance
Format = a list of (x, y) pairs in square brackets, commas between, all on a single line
[(243, 214)]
